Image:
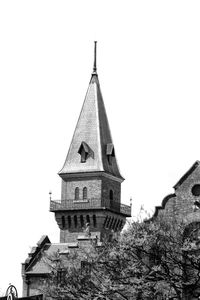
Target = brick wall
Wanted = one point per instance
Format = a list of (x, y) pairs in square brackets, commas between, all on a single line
[(105, 223), (93, 188), (180, 205), (109, 184)]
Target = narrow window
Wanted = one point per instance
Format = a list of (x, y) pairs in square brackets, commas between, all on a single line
[(121, 224), (113, 227), (61, 273), (76, 193), (111, 223), (82, 221), (111, 194), (117, 226), (88, 219), (108, 222), (75, 221), (105, 221), (63, 222), (69, 221), (94, 221), (84, 193)]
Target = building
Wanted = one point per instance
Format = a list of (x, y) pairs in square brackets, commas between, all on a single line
[(184, 203), (184, 207), (90, 206)]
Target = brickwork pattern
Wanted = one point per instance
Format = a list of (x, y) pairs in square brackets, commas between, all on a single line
[(102, 223), (93, 189), (181, 204), (115, 186)]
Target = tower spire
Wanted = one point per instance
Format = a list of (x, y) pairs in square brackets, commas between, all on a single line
[(95, 58)]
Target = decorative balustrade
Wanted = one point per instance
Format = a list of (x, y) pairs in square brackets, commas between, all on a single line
[(59, 205)]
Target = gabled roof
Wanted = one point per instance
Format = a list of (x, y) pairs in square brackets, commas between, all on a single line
[(41, 263), (187, 174), (41, 258), (92, 132)]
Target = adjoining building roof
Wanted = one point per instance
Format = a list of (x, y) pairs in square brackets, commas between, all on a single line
[(187, 174), (41, 263), (92, 136), (172, 197), (42, 257)]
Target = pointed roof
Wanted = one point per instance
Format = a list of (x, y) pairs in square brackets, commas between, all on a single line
[(187, 174), (91, 148)]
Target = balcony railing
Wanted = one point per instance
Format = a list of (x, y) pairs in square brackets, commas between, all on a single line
[(60, 205)]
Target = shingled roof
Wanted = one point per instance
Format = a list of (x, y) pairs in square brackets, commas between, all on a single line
[(39, 261), (92, 136)]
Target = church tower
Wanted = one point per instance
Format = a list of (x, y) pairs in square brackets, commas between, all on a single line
[(91, 180)]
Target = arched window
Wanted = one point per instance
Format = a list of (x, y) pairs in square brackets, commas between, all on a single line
[(76, 193), (88, 219), (111, 194), (75, 221), (94, 221), (63, 222), (82, 221), (84, 193), (69, 221)]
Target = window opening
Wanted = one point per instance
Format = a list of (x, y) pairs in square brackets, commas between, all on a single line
[(61, 273), (105, 221), (75, 221), (85, 152), (117, 226), (63, 222), (111, 223), (121, 224), (69, 221), (84, 193), (88, 219), (114, 223), (110, 152), (108, 222), (196, 190), (111, 194), (94, 221), (82, 221), (76, 193)]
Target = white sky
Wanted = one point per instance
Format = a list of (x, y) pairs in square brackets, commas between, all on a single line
[(149, 70)]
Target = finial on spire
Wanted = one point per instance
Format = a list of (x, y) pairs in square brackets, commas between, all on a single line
[(95, 58)]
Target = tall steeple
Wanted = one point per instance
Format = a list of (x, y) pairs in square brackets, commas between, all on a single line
[(92, 148), (91, 180)]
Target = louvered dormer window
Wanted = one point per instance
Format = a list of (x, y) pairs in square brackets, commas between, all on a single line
[(110, 152), (85, 152)]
